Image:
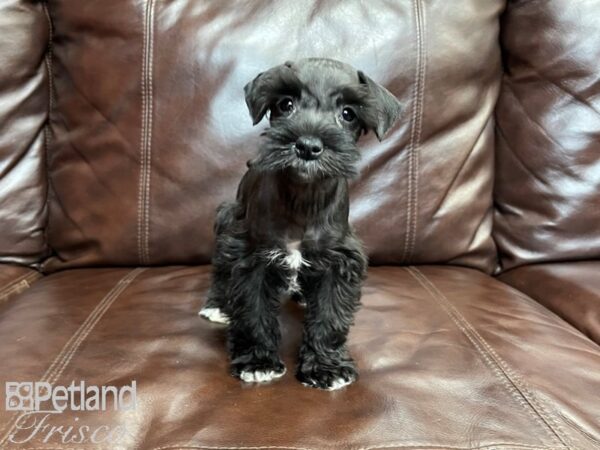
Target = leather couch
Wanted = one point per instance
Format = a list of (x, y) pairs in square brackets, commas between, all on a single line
[(123, 125)]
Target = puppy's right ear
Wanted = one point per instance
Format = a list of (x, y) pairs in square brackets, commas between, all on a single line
[(263, 90)]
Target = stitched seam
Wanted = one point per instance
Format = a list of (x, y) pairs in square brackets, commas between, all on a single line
[(146, 135), (63, 358), (416, 152), (8, 287), (22, 283), (142, 146), (49, 67), (150, 127), (516, 387), (411, 141), (415, 133)]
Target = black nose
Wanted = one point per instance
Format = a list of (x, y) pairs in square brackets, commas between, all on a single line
[(309, 147)]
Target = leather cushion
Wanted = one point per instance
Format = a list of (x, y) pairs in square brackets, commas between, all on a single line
[(151, 132), (547, 193), (571, 290), (449, 358), (24, 101)]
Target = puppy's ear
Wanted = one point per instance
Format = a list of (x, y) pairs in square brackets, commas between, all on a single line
[(256, 100), (263, 90), (386, 104)]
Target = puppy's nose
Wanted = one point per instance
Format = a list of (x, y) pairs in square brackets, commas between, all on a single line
[(309, 147)]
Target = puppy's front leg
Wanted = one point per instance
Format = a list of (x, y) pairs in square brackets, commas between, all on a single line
[(253, 333), (331, 285)]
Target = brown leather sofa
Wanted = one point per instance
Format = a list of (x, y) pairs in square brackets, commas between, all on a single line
[(123, 125)]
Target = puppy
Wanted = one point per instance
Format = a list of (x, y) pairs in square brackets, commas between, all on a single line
[(287, 232)]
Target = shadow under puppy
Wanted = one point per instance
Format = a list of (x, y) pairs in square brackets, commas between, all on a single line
[(287, 232)]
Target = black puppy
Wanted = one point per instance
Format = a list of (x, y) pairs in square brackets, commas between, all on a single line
[(288, 232)]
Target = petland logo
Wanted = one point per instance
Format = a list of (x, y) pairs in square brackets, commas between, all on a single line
[(39, 408), (41, 396)]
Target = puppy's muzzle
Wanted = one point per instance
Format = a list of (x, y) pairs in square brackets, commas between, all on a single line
[(309, 147)]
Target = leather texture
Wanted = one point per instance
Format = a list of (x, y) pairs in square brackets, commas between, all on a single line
[(24, 97), (571, 290), (138, 107), (548, 123), (15, 279), (449, 358), (155, 146)]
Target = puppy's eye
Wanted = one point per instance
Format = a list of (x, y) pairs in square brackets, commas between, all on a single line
[(348, 114), (285, 106)]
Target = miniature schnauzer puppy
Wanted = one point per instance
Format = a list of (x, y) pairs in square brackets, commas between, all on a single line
[(287, 232)]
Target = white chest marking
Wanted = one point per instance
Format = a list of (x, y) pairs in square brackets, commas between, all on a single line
[(292, 259)]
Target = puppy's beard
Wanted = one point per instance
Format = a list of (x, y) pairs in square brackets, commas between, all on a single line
[(306, 171), (283, 158), (277, 154)]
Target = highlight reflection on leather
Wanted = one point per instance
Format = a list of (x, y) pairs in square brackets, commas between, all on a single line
[(548, 146), (23, 113)]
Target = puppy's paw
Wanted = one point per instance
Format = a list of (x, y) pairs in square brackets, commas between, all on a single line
[(331, 376), (214, 315), (260, 371)]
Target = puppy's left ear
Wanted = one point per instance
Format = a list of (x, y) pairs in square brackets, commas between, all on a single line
[(387, 105)]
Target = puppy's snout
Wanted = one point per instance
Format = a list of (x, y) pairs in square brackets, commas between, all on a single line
[(309, 147)]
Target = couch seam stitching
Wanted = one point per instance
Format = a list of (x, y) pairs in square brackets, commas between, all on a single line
[(72, 345), (142, 145), (507, 376), (18, 285), (415, 134), (50, 68), (11, 284), (143, 225), (416, 158), (149, 131), (411, 141)]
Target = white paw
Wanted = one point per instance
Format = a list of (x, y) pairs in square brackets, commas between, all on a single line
[(260, 376), (339, 383), (214, 315)]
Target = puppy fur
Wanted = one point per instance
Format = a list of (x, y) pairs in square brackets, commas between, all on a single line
[(287, 232)]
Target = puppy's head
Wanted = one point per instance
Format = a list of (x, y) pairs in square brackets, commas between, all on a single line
[(317, 109)]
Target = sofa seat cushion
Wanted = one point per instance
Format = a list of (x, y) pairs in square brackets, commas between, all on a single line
[(15, 279), (571, 290), (449, 358)]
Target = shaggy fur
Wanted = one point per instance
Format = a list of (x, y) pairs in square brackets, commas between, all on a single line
[(287, 232)]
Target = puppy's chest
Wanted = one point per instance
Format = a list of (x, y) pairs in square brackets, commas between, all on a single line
[(290, 258)]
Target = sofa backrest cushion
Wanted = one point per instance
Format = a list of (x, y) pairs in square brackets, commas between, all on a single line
[(24, 98), (548, 151), (151, 132)]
